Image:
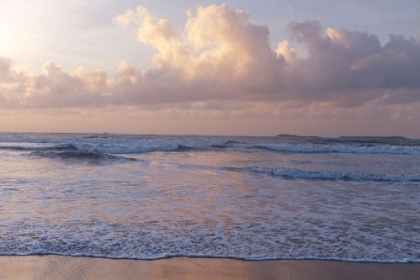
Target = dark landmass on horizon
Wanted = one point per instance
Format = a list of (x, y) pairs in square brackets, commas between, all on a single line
[(374, 137), (296, 136), (343, 137)]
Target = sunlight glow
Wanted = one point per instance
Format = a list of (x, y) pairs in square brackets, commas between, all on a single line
[(25, 29)]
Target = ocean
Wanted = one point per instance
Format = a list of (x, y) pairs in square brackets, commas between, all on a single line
[(253, 198)]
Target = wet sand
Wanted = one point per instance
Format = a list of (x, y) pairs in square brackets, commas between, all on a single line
[(71, 268)]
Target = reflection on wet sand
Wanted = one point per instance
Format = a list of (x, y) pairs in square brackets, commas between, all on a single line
[(73, 268)]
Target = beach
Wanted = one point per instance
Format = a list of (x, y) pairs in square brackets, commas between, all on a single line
[(82, 268)]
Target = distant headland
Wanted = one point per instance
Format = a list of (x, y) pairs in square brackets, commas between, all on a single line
[(344, 137), (295, 136), (374, 137)]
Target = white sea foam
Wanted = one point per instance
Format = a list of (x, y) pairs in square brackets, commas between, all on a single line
[(161, 240)]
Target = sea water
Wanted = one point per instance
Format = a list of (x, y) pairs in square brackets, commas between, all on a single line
[(253, 198)]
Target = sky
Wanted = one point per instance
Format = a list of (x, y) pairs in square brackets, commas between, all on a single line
[(266, 67)]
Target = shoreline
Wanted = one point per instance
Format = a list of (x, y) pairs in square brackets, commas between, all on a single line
[(75, 268), (210, 257)]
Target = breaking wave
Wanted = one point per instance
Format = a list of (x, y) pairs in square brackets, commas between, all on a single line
[(107, 144), (347, 149), (90, 157), (38, 148), (298, 174)]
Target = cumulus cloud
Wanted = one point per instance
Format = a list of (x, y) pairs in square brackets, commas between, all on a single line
[(217, 42), (53, 88), (342, 61), (222, 55)]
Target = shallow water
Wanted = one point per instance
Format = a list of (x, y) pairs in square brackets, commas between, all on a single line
[(148, 197)]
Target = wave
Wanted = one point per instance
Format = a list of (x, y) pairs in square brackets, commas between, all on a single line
[(347, 149), (39, 148), (91, 157), (183, 148), (102, 149), (136, 149), (298, 174), (119, 145)]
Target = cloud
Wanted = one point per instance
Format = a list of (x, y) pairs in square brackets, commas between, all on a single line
[(5, 70), (217, 41), (53, 88), (343, 61), (222, 56)]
